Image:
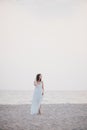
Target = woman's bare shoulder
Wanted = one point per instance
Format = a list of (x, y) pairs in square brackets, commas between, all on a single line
[(34, 81)]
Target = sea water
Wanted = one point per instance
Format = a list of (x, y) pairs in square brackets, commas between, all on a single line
[(50, 97)]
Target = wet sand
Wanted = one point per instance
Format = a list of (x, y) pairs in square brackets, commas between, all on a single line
[(54, 117)]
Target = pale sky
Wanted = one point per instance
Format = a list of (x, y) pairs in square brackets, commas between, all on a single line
[(43, 36)]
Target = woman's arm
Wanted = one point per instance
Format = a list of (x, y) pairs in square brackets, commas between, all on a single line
[(43, 88), (35, 84)]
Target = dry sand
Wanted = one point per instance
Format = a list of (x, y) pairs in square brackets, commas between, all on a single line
[(54, 117)]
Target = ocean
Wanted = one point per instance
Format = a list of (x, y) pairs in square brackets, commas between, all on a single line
[(50, 97)]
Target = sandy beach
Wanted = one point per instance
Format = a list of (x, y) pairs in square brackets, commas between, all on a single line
[(54, 117)]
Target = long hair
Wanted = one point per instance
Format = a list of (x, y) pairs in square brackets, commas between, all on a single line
[(38, 77)]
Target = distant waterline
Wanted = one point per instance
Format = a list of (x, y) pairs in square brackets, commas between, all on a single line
[(50, 97)]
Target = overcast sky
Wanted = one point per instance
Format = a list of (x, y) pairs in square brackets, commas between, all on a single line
[(43, 36)]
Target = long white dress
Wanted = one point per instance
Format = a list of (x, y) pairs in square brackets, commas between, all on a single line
[(37, 98)]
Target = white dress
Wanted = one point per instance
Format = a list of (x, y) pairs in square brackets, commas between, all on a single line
[(37, 98)]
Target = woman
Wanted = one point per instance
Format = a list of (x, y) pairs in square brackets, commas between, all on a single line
[(38, 95)]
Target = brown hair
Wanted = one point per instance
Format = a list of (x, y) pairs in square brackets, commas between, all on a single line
[(38, 77)]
